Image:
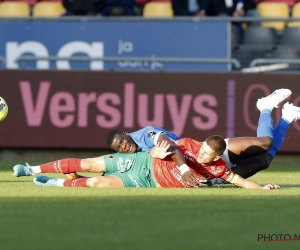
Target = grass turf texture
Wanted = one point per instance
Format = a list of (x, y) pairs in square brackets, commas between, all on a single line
[(81, 218)]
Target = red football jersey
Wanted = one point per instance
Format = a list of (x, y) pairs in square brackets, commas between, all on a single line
[(167, 173)]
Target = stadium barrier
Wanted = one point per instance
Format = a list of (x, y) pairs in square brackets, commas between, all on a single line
[(260, 61), (224, 59), (233, 61)]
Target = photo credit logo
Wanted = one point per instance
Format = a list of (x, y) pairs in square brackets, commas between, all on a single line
[(277, 237)]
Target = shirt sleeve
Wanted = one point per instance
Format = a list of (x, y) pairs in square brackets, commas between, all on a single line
[(146, 138), (157, 136), (228, 175)]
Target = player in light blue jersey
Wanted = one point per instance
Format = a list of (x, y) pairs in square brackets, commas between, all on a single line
[(142, 140)]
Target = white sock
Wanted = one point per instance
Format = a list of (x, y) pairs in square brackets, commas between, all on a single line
[(288, 118), (36, 169), (60, 182)]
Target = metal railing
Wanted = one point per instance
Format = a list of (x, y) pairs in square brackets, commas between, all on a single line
[(233, 61), (154, 19), (260, 61)]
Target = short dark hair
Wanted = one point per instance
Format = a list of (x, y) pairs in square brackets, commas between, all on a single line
[(216, 143), (111, 135)]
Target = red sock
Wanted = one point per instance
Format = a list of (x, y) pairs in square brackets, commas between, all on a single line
[(81, 182), (69, 165)]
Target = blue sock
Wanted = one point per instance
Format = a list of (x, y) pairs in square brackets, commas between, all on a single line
[(279, 134), (265, 124)]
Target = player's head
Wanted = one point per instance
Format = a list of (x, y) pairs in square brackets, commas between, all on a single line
[(211, 150), (120, 141)]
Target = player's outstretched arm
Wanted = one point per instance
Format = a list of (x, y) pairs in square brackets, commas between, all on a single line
[(243, 183)]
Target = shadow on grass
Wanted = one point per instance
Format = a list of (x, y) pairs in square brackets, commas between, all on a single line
[(289, 185), (16, 181), (231, 186)]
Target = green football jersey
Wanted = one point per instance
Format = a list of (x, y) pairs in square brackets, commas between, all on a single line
[(135, 170)]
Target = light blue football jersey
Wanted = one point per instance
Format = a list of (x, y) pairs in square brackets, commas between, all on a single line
[(146, 138)]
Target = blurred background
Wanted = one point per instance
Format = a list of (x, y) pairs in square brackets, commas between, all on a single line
[(72, 70)]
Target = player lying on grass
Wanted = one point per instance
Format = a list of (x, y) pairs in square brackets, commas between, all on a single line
[(143, 169), (247, 167), (237, 150), (134, 170)]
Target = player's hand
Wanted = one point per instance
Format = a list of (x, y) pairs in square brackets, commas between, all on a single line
[(161, 150), (189, 179), (271, 186)]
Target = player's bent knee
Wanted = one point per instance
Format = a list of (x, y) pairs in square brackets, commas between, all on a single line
[(266, 142), (93, 182), (267, 160), (85, 165)]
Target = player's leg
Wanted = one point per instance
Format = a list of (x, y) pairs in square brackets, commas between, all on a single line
[(241, 148), (88, 165), (290, 113), (104, 182), (244, 147), (93, 182), (251, 166), (69, 165)]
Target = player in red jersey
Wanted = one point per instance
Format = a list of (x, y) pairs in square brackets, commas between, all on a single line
[(204, 161)]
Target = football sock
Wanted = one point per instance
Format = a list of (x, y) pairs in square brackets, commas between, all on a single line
[(81, 182), (265, 124), (60, 182), (68, 165), (288, 116), (36, 169), (279, 134)]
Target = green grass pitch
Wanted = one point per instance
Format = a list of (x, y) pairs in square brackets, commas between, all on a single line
[(223, 217)]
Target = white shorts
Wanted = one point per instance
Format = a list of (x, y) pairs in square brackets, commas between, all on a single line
[(225, 156)]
